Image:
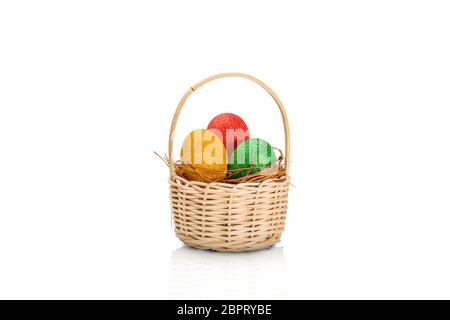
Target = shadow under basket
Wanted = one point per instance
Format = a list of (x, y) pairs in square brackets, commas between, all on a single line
[(225, 216)]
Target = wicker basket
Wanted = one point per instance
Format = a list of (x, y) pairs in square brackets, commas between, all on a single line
[(224, 216)]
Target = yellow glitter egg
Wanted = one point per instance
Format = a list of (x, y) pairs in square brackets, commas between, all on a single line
[(203, 156)]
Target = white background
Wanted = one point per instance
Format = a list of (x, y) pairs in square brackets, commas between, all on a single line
[(87, 92)]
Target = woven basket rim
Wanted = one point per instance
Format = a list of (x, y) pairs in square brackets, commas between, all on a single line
[(281, 179)]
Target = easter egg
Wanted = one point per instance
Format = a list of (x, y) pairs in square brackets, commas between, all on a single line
[(203, 156), (231, 129), (256, 152)]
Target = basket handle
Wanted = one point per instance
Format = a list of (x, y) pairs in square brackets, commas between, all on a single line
[(226, 75)]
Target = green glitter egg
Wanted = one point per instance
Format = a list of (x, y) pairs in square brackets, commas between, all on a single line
[(256, 152)]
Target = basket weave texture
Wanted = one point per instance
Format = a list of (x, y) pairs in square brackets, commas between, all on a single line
[(224, 216)]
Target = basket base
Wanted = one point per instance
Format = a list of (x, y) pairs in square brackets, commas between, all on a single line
[(221, 246)]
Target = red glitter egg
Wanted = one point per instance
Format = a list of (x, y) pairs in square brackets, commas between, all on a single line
[(231, 129)]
